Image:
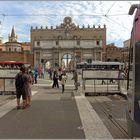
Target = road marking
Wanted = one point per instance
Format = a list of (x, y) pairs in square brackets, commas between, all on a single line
[(4, 109), (92, 124)]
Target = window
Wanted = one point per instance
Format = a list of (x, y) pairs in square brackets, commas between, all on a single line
[(15, 49), (57, 42), (98, 42), (78, 42), (38, 43)]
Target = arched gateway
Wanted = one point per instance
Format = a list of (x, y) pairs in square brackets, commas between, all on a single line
[(67, 44)]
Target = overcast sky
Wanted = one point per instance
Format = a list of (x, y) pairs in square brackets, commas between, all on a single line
[(24, 14)]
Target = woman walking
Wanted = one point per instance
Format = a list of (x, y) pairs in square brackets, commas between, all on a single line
[(63, 80)]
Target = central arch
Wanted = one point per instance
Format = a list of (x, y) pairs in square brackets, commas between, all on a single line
[(67, 61)]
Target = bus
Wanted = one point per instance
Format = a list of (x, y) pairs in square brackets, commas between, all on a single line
[(133, 83), (99, 65), (13, 64), (10, 65)]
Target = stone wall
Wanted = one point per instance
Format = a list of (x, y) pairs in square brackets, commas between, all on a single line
[(25, 57)]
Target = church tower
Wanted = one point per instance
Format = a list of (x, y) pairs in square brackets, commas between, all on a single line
[(13, 45), (13, 36)]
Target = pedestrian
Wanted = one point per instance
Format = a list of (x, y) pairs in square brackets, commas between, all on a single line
[(36, 75), (55, 79), (75, 78), (63, 80), (50, 73), (29, 90), (111, 81), (103, 82), (33, 78), (42, 73), (39, 72), (20, 91), (59, 74), (120, 74)]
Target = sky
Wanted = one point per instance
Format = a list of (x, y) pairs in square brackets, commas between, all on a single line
[(24, 14)]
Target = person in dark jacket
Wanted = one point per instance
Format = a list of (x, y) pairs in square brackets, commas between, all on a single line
[(55, 79), (20, 80)]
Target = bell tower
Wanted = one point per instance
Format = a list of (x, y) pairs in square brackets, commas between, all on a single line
[(13, 36)]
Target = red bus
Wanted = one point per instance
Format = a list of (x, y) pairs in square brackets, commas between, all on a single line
[(11, 65)]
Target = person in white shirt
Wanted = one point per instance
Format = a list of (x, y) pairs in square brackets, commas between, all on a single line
[(63, 80)]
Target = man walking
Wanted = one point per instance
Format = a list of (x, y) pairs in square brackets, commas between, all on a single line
[(75, 78)]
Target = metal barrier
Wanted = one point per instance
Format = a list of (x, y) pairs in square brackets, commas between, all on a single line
[(98, 82), (7, 81), (7, 85)]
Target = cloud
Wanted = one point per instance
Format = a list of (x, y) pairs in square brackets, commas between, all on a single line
[(52, 13)]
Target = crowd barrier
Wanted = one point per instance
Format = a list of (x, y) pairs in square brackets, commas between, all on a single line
[(7, 81), (96, 82)]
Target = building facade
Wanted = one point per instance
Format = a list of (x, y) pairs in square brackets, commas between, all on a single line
[(67, 44), (126, 43), (113, 53), (12, 45), (125, 51), (12, 50)]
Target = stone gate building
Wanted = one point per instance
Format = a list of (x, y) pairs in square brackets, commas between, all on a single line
[(67, 44)]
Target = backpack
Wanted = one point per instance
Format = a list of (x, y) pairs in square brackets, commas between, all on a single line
[(19, 83)]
